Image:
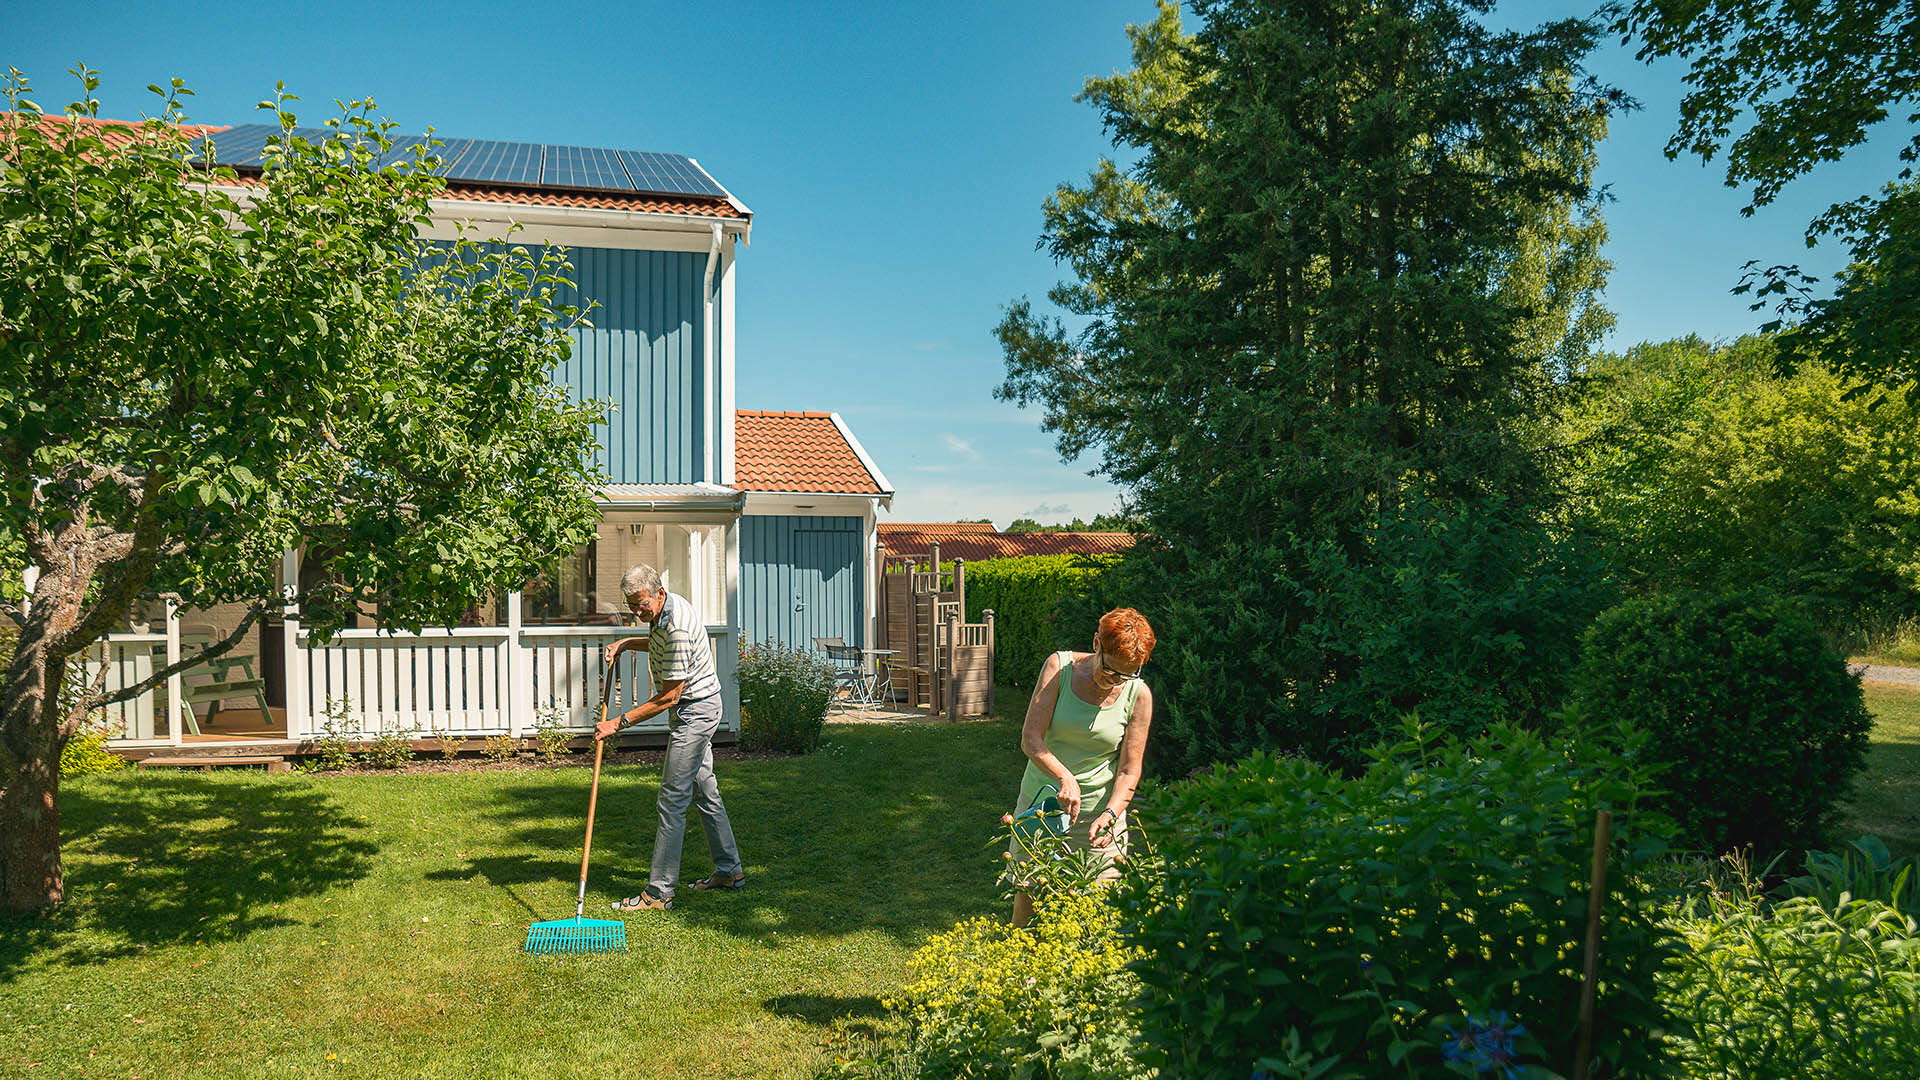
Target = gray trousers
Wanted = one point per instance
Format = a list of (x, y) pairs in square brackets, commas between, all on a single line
[(687, 776)]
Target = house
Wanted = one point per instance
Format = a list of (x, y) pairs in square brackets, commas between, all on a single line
[(766, 519), (974, 541)]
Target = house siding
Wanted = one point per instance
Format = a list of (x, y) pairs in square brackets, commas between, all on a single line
[(643, 353), (802, 578)]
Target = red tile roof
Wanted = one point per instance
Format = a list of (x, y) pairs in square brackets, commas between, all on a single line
[(120, 132), (803, 452), (962, 540)]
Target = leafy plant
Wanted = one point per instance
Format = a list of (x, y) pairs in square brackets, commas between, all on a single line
[(1052, 866), (550, 734), (391, 748), (1303, 922), (448, 744), (1756, 720), (500, 748), (988, 1001), (1863, 870), (1800, 988), (334, 745), (784, 693), (86, 754)]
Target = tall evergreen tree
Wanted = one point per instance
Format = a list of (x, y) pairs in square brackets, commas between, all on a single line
[(1320, 310)]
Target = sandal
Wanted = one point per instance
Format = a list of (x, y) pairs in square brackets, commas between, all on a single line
[(646, 901), (730, 882)]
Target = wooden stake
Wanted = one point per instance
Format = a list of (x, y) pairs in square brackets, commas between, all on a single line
[(1596, 892)]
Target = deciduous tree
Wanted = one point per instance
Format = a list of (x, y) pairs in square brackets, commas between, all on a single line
[(197, 375)]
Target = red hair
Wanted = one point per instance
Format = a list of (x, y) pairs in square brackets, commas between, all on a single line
[(1126, 634)]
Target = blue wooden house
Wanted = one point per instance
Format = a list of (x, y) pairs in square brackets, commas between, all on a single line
[(766, 520)]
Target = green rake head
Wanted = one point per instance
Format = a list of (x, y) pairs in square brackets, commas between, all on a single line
[(577, 935)]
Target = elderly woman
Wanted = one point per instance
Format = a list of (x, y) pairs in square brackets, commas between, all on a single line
[(1086, 734)]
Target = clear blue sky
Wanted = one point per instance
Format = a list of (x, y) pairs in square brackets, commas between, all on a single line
[(895, 157)]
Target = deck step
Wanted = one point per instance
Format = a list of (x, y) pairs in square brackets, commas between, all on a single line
[(273, 764)]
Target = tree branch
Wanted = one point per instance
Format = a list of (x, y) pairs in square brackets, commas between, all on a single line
[(218, 648)]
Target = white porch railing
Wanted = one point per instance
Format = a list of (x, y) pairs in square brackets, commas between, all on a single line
[(478, 681), (465, 681)]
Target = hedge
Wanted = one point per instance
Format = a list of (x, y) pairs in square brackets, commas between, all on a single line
[(1024, 595)]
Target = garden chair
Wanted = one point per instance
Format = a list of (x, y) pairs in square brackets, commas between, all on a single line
[(850, 680)]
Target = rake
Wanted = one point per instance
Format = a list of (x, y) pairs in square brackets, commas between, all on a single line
[(578, 935)]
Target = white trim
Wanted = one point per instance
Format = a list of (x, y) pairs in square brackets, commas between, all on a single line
[(571, 226), (729, 413), (879, 478), (710, 358), (735, 203), (802, 504), (870, 538)]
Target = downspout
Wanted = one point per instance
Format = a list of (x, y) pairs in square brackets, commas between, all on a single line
[(710, 361)]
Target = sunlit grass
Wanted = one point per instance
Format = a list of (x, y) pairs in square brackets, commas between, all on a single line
[(242, 924)]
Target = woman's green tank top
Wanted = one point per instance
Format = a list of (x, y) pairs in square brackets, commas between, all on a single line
[(1086, 739)]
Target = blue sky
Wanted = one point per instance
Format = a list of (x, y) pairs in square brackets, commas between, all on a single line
[(895, 157)]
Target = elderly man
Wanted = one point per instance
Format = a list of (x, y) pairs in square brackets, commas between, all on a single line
[(681, 660)]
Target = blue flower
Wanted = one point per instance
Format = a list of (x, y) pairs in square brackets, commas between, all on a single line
[(1486, 1045)]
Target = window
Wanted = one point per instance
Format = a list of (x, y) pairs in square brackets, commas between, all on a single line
[(584, 589)]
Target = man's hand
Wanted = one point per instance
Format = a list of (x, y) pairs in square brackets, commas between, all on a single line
[(605, 729), (612, 650)]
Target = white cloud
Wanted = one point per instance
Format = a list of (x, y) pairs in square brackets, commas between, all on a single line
[(926, 346), (961, 447), (1044, 512)]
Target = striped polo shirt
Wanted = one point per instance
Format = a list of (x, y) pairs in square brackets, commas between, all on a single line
[(678, 648)]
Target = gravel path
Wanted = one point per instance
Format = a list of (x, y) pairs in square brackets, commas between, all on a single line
[(1883, 673)]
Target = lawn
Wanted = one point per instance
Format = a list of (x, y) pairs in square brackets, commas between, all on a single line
[(242, 924), (1886, 798)]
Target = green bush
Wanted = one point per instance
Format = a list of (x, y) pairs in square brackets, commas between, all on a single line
[(390, 748), (989, 1001), (784, 693), (1306, 924), (1467, 613), (1758, 723), (1025, 596), (1795, 989), (86, 753)]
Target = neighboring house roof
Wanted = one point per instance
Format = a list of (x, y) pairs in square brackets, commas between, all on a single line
[(810, 453), (120, 132), (964, 540)]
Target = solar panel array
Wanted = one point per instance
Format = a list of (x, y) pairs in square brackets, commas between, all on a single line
[(492, 161)]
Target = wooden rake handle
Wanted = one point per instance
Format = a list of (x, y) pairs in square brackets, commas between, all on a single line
[(593, 794)]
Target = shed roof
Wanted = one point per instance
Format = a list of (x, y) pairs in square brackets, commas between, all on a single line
[(966, 540), (802, 453)]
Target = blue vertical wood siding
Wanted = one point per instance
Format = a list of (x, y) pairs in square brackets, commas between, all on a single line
[(643, 352), (802, 578)]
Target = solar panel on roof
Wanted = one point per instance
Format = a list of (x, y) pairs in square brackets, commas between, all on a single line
[(490, 161), (668, 174), (584, 167), (493, 161)]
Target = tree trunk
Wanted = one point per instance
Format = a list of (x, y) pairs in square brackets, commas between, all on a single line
[(31, 737)]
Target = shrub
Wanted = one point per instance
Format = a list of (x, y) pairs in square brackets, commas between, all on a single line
[(1025, 596), (498, 748), (1303, 923), (550, 735), (86, 754), (1795, 989), (334, 744), (784, 693), (1468, 613), (391, 748), (1863, 870), (448, 744), (988, 1001), (1757, 722)]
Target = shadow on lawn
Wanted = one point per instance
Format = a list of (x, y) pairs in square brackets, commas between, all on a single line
[(160, 860), (823, 859), (824, 1009)]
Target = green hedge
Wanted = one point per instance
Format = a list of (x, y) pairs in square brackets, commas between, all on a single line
[(1025, 595)]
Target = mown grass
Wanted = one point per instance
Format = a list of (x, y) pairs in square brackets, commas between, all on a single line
[(240, 925), (1885, 800)]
